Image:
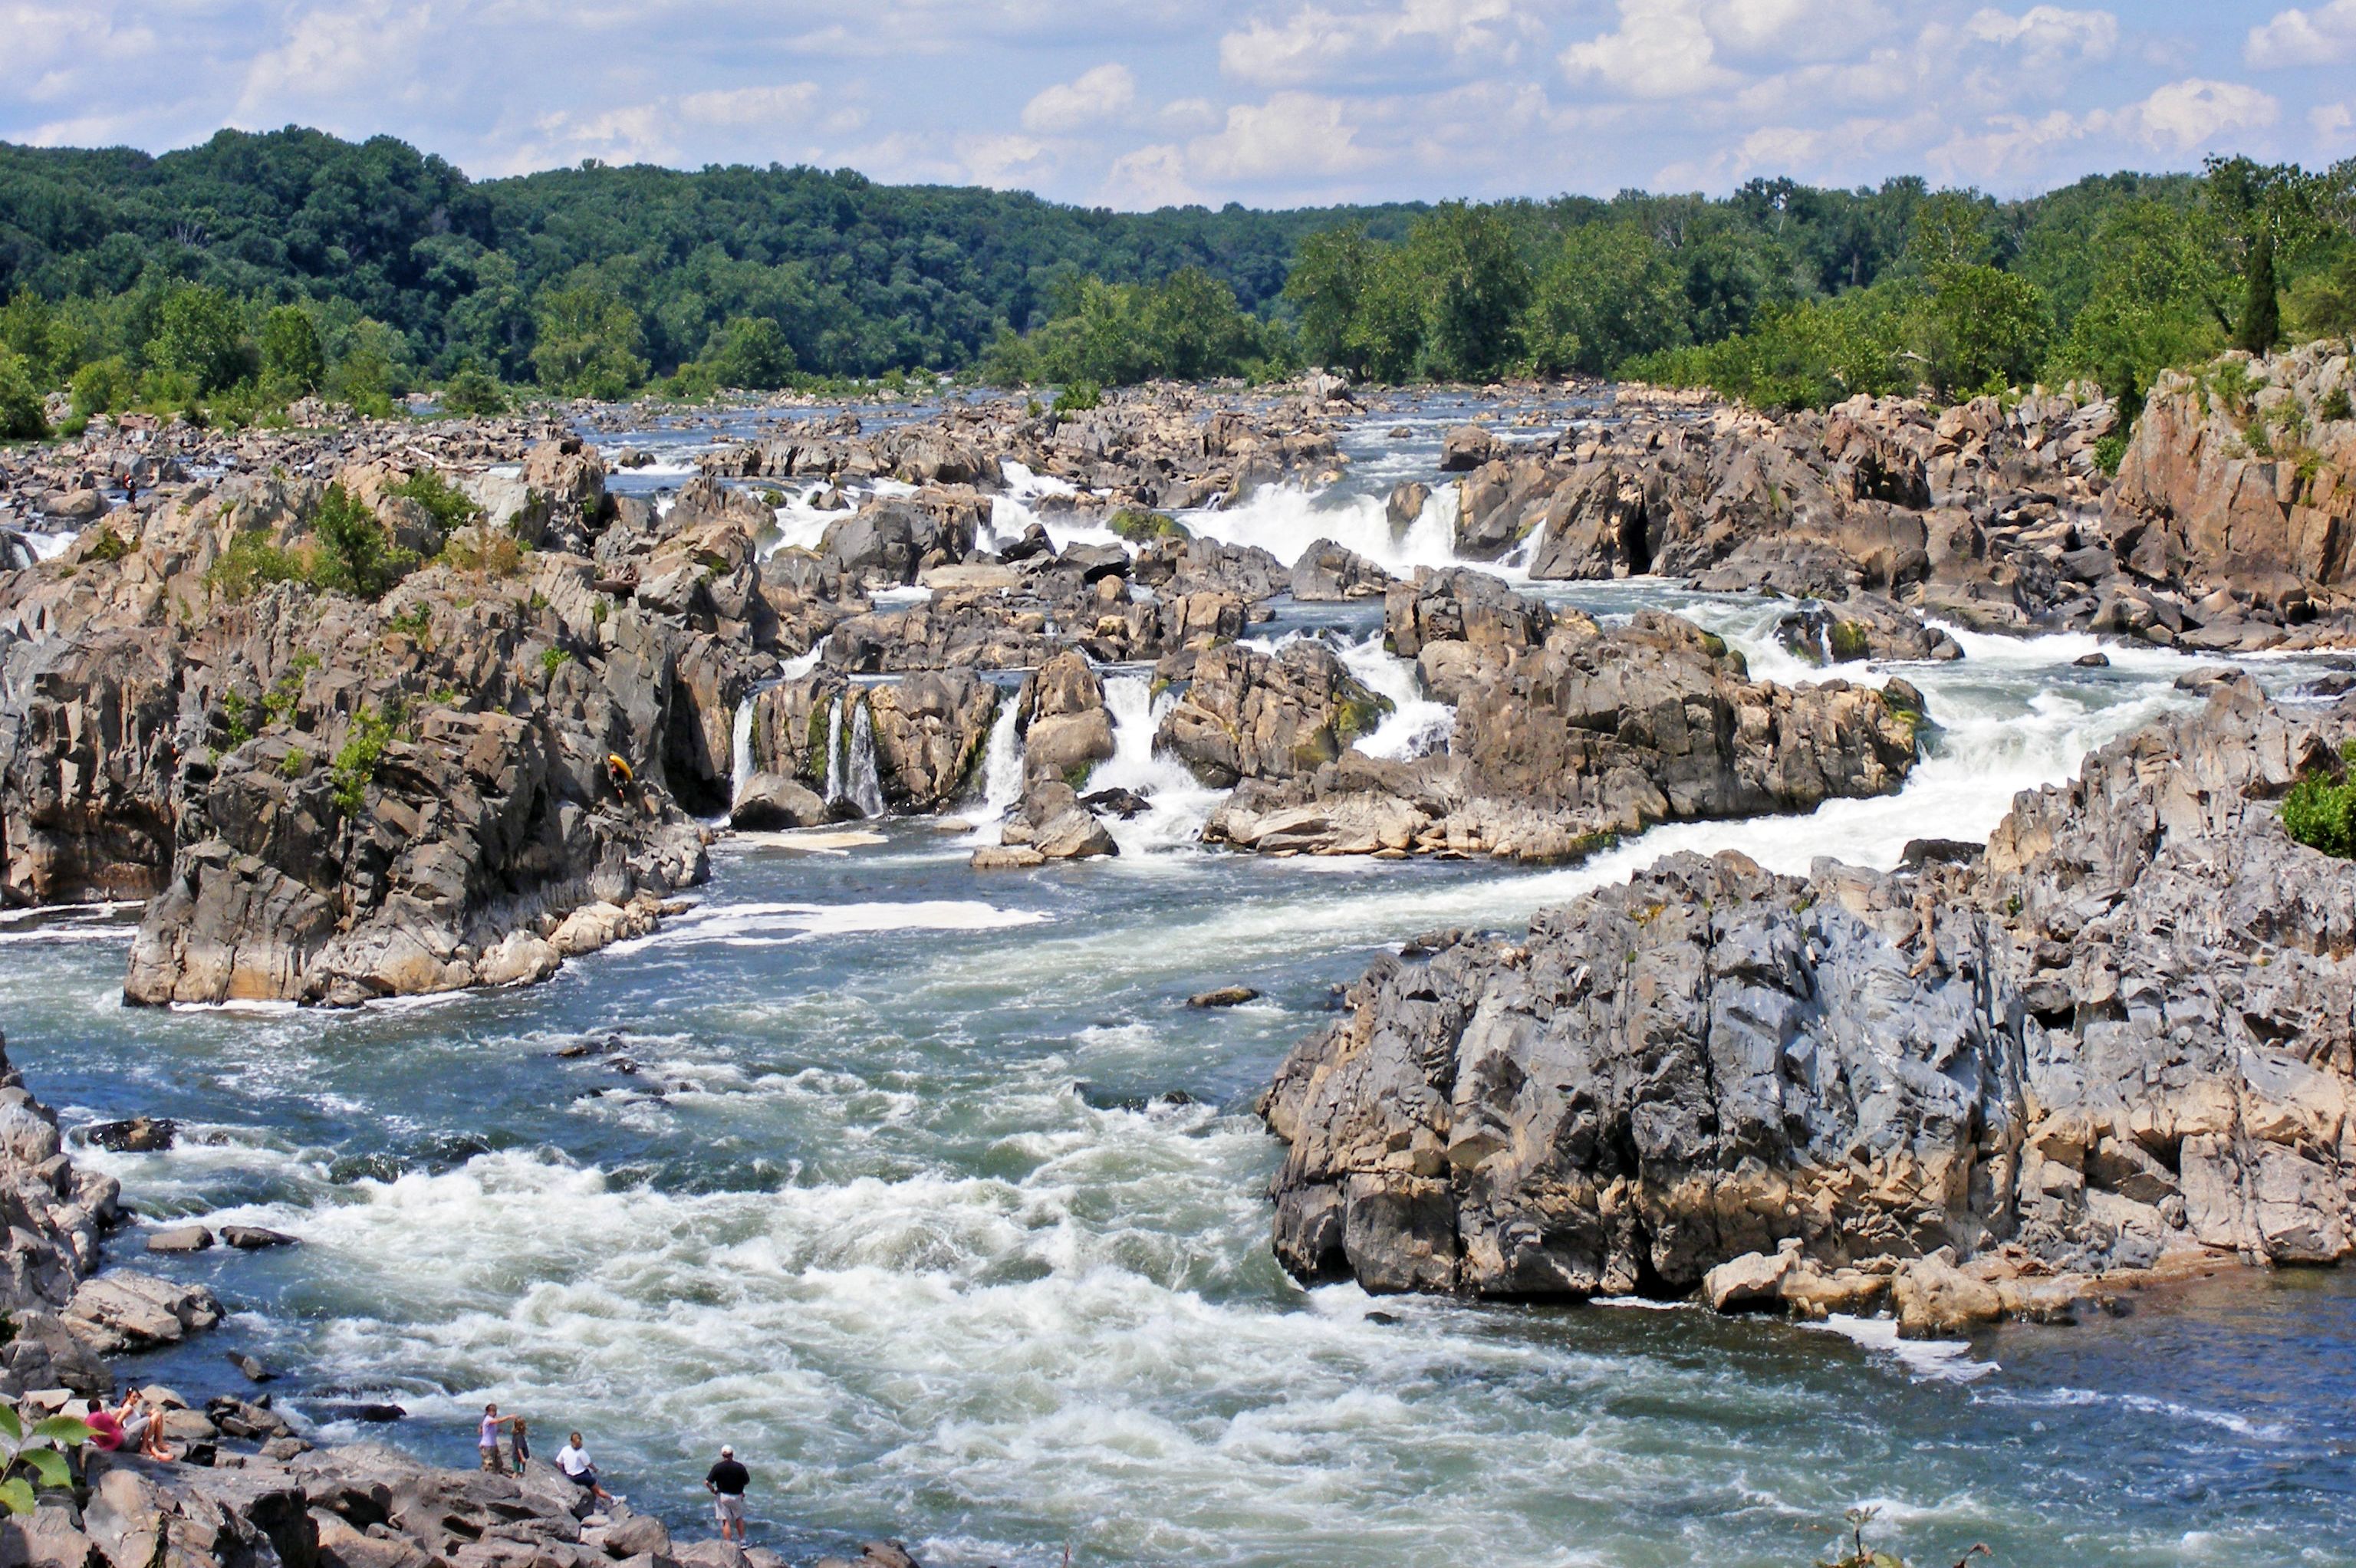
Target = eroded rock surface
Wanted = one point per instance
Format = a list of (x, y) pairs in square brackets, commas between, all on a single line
[(2120, 1033)]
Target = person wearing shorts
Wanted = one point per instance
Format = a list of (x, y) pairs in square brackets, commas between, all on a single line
[(573, 1460), (726, 1482), (486, 1442)]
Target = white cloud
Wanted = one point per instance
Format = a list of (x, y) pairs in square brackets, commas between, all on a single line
[(2046, 34), (2325, 36), (1662, 49), (2331, 120), (2190, 115), (1004, 162), (1290, 135), (1321, 46), (1104, 94), (1797, 29), (343, 60), (752, 106), (1150, 177)]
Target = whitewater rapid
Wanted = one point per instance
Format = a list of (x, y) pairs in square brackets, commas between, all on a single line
[(925, 1188)]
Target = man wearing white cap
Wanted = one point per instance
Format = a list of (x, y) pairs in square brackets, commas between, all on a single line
[(726, 1483)]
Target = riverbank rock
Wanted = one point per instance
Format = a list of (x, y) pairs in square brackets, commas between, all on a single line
[(2118, 1035)]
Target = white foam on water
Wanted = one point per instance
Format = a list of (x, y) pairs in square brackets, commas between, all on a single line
[(1944, 1360), (802, 663), (1285, 520), (770, 923)]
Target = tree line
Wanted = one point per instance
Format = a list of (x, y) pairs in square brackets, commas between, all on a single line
[(233, 277)]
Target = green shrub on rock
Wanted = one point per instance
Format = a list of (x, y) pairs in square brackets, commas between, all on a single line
[(2320, 811), (21, 415)]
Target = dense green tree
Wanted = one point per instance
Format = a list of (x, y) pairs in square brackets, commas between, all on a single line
[(1330, 277), (1610, 293), (589, 341), (751, 352), (198, 334), (293, 361), (1978, 330), (21, 417), (1476, 286)]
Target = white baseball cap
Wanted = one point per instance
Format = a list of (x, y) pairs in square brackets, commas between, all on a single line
[(726, 1452)]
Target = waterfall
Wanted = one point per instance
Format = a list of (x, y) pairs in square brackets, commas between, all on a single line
[(801, 665), (740, 750), (867, 791), (1178, 802), (1001, 765), (833, 750)]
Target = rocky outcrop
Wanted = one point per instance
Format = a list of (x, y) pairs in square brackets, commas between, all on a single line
[(327, 798), (2241, 481), (907, 746), (1327, 574), (1244, 714), (2120, 1034), (1564, 736), (1860, 628)]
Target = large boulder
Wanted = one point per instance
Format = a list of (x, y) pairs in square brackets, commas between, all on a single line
[(1245, 713)]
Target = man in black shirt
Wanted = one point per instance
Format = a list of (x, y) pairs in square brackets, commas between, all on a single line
[(726, 1483)]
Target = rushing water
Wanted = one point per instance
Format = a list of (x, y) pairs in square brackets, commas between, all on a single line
[(924, 1187)]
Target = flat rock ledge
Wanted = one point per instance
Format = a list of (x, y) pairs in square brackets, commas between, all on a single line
[(1994, 1083)]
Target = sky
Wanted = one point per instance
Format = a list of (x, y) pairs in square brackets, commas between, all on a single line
[(1141, 104)]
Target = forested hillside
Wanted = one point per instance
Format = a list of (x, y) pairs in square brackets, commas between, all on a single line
[(254, 269)]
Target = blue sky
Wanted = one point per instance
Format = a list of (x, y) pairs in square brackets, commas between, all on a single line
[(1134, 103)]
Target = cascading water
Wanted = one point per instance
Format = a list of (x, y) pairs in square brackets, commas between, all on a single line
[(1001, 766), (835, 750), (861, 782), (1177, 802), (740, 749), (1416, 726), (852, 1209)]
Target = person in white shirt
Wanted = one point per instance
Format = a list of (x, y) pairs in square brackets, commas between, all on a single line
[(573, 1460)]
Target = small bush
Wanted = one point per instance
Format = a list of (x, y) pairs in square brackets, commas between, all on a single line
[(493, 550), (1078, 398), (355, 762), (108, 546), (2111, 451), (472, 394), (1142, 527), (355, 556), (252, 563), (237, 718), (296, 763), (451, 507), (550, 661), (2320, 811), (2336, 406)]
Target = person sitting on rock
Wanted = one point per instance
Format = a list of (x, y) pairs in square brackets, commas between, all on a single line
[(486, 1441), (572, 1461)]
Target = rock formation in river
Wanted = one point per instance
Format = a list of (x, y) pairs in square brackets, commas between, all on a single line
[(2120, 1032), (329, 799), (1565, 734)]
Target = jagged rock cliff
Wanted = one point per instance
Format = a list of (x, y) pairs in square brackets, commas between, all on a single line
[(2123, 1030)]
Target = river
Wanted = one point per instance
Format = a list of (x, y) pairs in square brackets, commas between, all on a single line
[(924, 1190)]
